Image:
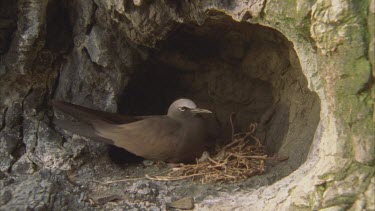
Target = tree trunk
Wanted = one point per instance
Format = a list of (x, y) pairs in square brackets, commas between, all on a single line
[(303, 70)]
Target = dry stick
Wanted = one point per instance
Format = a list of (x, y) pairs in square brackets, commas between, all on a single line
[(233, 141), (161, 178), (210, 159), (231, 123), (117, 181), (125, 180)]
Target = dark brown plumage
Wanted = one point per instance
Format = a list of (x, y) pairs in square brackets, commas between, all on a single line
[(179, 136)]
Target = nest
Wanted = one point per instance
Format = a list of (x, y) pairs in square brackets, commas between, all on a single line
[(242, 158)]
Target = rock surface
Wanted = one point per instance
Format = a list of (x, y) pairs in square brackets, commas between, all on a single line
[(304, 70)]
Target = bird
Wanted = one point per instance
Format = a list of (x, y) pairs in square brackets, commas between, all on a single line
[(180, 136)]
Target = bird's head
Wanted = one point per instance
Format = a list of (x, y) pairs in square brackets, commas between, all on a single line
[(183, 108)]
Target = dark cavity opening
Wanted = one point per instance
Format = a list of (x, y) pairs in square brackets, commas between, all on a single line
[(8, 23), (227, 66)]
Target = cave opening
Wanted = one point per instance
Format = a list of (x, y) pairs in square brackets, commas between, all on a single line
[(229, 66)]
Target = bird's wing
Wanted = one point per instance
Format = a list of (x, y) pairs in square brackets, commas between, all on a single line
[(88, 115), (82, 129), (152, 137), (157, 138)]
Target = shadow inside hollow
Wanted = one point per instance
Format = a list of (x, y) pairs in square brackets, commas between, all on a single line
[(121, 156)]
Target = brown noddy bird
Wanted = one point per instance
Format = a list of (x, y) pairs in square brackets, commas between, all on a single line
[(179, 136)]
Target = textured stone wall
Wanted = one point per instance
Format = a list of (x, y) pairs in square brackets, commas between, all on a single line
[(88, 52)]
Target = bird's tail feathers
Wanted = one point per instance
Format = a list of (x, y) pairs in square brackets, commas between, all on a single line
[(88, 115)]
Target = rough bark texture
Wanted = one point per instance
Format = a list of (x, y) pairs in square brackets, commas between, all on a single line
[(304, 70)]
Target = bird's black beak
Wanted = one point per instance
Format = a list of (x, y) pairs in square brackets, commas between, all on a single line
[(200, 111)]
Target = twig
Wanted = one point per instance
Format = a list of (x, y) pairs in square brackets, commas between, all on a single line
[(117, 181), (162, 178), (231, 123)]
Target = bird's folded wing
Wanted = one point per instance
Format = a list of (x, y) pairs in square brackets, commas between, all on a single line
[(153, 138), (80, 128), (88, 115)]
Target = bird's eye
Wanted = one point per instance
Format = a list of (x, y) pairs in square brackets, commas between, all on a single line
[(182, 108)]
